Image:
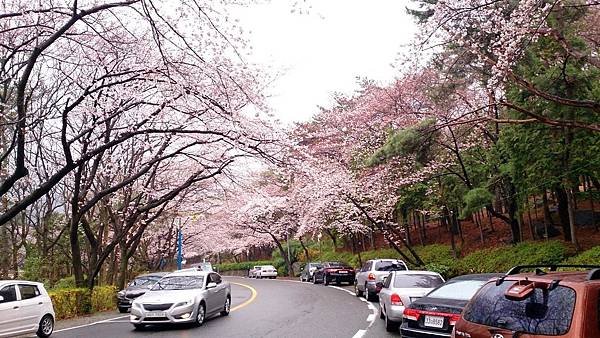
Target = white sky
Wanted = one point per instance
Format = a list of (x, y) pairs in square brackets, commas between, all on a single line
[(322, 52)]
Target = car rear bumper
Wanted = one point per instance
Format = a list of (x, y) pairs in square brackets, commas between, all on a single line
[(418, 333), (267, 274), (340, 278), (394, 313)]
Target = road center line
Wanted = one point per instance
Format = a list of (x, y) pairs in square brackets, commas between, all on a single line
[(252, 297)]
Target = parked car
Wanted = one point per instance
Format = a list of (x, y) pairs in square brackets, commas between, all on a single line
[(372, 272), (535, 304), (400, 289), (206, 266), (337, 272), (137, 287), (182, 297), (266, 271), (253, 272), (25, 307), (308, 270), (436, 314)]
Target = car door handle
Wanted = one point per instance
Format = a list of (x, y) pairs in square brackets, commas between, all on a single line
[(40, 303), (15, 307)]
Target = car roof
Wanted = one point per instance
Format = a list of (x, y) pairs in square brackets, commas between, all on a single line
[(386, 260), (569, 277), (18, 281), (416, 272), (477, 276), (152, 274), (189, 273)]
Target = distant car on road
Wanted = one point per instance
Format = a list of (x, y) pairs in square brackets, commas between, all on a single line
[(399, 289), (308, 270), (330, 272), (436, 314), (25, 307), (182, 297), (137, 287), (535, 304), (372, 272), (252, 273), (266, 271)]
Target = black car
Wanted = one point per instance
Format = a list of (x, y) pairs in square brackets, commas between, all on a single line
[(436, 314), (137, 287), (331, 272)]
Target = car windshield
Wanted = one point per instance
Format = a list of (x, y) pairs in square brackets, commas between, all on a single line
[(144, 281), (179, 283), (458, 290), (335, 264), (543, 312), (417, 281), (389, 266)]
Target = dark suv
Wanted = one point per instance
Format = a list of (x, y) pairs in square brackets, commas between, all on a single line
[(137, 287), (543, 303)]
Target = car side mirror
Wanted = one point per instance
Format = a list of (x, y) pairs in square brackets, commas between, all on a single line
[(211, 285)]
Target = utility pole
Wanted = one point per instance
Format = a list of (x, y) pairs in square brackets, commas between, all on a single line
[(179, 246)]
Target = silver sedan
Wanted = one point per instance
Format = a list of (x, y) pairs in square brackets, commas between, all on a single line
[(182, 297), (399, 289)]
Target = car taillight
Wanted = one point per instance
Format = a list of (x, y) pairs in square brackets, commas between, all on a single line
[(411, 314), (395, 299), (454, 318), (371, 276)]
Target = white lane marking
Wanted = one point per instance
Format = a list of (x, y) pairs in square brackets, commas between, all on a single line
[(339, 288), (359, 334), (90, 324), (371, 317)]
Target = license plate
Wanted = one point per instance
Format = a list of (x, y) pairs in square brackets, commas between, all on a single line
[(342, 272), (434, 321), (156, 314)]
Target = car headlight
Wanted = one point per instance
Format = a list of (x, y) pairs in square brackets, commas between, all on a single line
[(121, 294), (189, 302)]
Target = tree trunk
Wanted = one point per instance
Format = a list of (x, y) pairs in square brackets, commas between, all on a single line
[(563, 211), (333, 239), (305, 250), (283, 253), (572, 225)]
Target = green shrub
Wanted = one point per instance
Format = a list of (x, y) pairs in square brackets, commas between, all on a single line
[(591, 256), (503, 258), (79, 301), (65, 283), (240, 266)]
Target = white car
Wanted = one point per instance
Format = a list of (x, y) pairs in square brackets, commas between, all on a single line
[(182, 297), (266, 271), (25, 307)]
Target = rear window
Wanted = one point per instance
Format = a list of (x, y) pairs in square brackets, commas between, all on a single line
[(417, 281), (389, 266), (458, 290), (544, 312)]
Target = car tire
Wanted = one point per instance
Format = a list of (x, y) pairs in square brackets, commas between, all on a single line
[(46, 326), (139, 326), (357, 292), (391, 326), (381, 315), (123, 310), (368, 295), (314, 279), (200, 315), (325, 280), (226, 307)]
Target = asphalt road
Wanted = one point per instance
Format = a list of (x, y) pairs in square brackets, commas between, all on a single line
[(280, 308)]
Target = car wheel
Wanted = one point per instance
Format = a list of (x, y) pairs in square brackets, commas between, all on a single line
[(123, 310), (139, 326), (200, 316), (227, 307), (314, 279), (367, 293), (381, 312), (325, 280), (391, 326), (46, 326), (357, 292)]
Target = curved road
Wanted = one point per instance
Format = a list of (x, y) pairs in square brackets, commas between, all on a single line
[(279, 308)]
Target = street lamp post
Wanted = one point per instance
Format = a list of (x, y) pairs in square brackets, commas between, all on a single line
[(179, 247)]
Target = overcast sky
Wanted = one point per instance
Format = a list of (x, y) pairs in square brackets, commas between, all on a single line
[(323, 52)]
